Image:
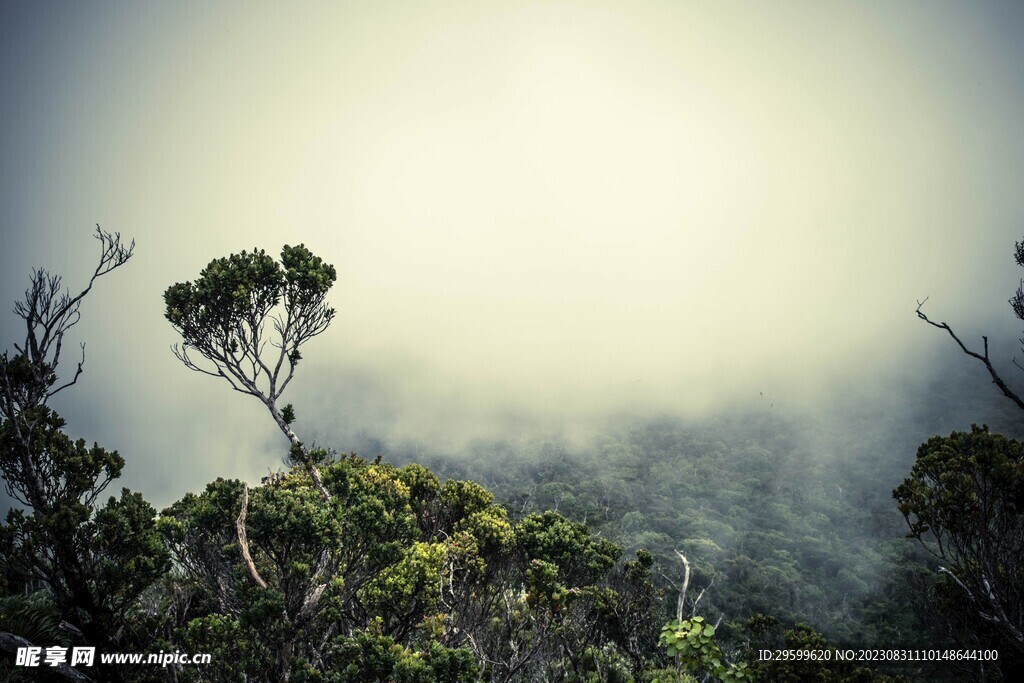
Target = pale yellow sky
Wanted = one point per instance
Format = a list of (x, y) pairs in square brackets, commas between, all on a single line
[(556, 207)]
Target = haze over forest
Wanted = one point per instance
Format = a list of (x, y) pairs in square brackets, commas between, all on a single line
[(542, 214), (652, 266)]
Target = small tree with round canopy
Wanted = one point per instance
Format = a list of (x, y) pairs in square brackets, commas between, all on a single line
[(247, 315)]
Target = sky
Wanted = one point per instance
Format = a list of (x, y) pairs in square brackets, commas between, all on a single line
[(541, 213)]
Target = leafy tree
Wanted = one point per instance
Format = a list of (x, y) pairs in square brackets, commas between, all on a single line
[(632, 610), (965, 496), (237, 307), (227, 313), (373, 657), (266, 586), (330, 570), (754, 510), (366, 572), (765, 632), (35, 473), (580, 557), (964, 501), (691, 642), (94, 561), (416, 581)]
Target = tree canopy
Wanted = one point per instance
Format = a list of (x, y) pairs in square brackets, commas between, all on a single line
[(347, 569), (243, 303), (94, 560), (964, 500)]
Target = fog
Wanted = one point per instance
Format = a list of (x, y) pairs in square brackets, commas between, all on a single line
[(545, 216)]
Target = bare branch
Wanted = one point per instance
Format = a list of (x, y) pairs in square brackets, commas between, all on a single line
[(686, 584), (996, 379), (311, 601), (965, 589), (78, 372), (243, 540), (49, 312), (701, 594)]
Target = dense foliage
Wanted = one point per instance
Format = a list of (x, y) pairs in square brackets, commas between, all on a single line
[(564, 565), (964, 500), (407, 568), (744, 498)]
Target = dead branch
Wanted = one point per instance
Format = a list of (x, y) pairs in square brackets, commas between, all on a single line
[(701, 594), (311, 602), (243, 540), (686, 584), (983, 357)]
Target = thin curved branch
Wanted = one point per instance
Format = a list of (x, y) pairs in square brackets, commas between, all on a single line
[(996, 379), (78, 372)]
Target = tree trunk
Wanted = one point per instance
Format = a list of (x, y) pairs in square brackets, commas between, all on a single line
[(314, 471)]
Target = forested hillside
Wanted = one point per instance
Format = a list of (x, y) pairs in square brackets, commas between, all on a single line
[(661, 549)]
